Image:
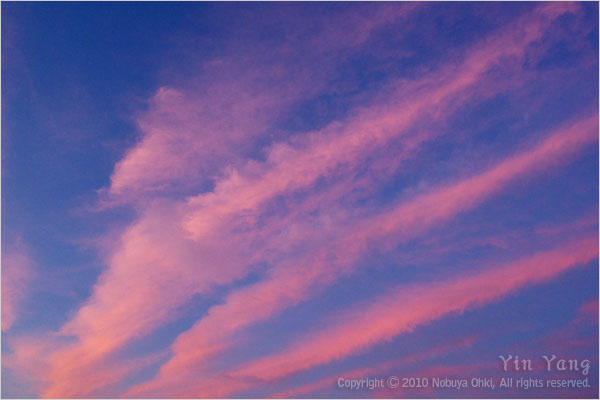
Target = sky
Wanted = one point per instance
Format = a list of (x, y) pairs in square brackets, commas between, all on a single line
[(257, 200)]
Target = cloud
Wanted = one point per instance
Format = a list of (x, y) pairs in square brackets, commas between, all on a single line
[(17, 276), (342, 145), (189, 134), (376, 370), (292, 283), (397, 312), (212, 200)]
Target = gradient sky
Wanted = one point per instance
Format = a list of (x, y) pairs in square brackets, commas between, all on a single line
[(254, 200)]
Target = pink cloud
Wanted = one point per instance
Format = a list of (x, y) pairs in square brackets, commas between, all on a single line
[(40, 365), (396, 312), (377, 370), (178, 249), (574, 335), (589, 310), (405, 308), (189, 135), (342, 145), (17, 275), (292, 283)]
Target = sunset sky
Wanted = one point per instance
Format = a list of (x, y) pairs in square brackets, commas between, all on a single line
[(255, 200)]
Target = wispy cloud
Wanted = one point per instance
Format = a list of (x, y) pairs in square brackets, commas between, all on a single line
[(293, 283), (400, 311), (238, 211), (17, 276)]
